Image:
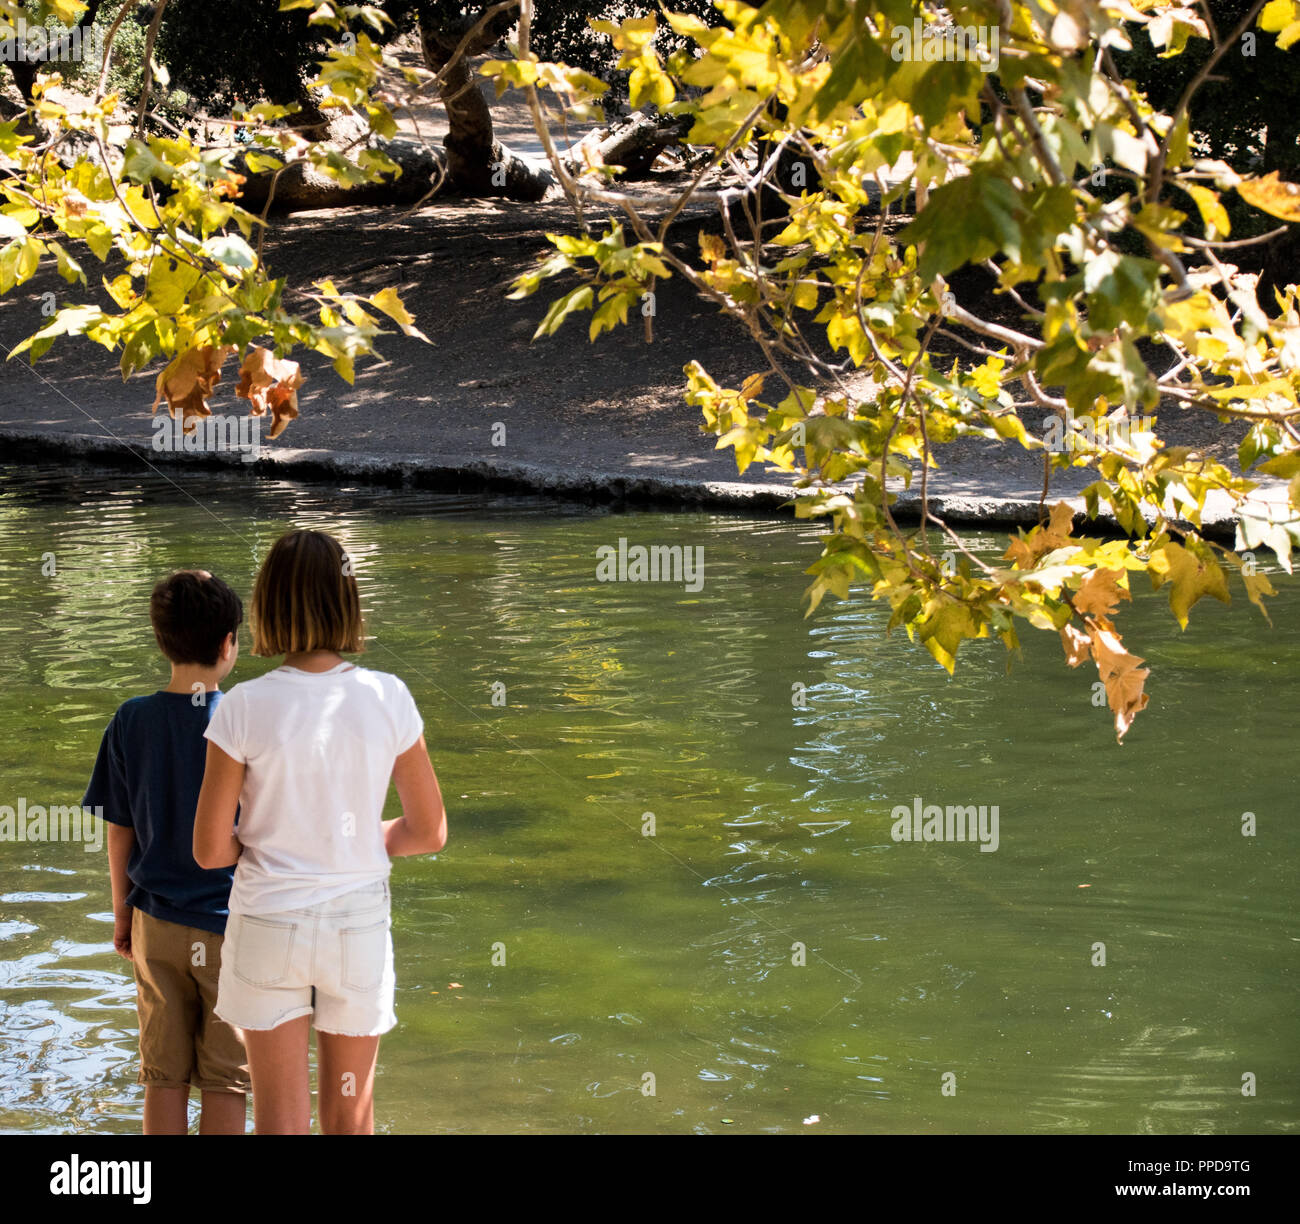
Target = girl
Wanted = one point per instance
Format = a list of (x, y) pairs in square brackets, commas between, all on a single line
[(303, 755)]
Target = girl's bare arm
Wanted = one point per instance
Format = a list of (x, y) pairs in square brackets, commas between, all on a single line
[(215, 843), (422, 827)]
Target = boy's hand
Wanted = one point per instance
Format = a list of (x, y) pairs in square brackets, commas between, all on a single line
[(121, 841), (122, 935)]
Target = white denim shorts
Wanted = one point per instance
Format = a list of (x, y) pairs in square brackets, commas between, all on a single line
[(332, 961)]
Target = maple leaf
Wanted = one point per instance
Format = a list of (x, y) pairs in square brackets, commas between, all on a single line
[(1120, 673), (187, 381), (943, 626), (1077, 645), (712, 248), (230, 186), (1257, 586), (270, 383), (1056, 533), (1100, 593), (1049, 536), (1020, 554), (388, 301), (1191, 576), (1273, 196)]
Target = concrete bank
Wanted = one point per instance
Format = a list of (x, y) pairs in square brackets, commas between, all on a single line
[(452, 474)]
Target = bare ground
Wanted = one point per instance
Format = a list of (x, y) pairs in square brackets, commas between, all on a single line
[(567, 405)]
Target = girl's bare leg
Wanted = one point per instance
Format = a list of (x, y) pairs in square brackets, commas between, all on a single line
[(345, 1082), (277, 1063)]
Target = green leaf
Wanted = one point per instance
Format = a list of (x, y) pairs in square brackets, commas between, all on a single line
[(141, 164), (562, 308), (68, 267), (942, 629), (1121, 289), (231, 250), (965, 221), (70, 321), (262, 163)]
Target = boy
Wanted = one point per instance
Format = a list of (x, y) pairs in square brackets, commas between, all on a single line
[(169, 914)]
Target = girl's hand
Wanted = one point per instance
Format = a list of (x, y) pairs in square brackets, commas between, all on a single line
[(422, 827), (215, 843)]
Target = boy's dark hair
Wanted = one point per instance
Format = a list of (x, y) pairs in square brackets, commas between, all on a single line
[(192, 613)]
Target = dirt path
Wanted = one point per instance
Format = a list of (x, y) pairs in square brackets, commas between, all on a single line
[(576, 410)]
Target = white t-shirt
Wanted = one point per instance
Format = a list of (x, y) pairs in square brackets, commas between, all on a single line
[(319, 749)]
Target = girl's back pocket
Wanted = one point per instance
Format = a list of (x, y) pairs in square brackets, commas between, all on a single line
[(262, 950), (363, 955)]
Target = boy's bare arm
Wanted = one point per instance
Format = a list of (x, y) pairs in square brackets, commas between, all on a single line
[(422, 827), (215, 843), (121, 841)]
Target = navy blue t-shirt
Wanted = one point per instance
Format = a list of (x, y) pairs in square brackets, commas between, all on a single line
[(147, 777)]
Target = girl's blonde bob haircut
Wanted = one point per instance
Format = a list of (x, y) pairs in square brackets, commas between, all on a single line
[(305, 598)]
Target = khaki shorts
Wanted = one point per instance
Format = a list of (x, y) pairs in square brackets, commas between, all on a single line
[(182, 1041)]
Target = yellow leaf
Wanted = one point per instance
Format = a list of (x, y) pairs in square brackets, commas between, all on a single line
[(804, 295), (988, 377), (845, 331), (649, 84), (1274, 386), (712, 248), (1257, 586), (1191, 576), (1271, 195), (1200, 312), (1279, 14), (944, 627), (388, 301), (1213, 213)]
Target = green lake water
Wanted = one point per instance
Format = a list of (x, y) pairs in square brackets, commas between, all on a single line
[(672, 955)]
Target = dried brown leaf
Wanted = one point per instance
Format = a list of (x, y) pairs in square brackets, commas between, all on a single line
[(187, 381)]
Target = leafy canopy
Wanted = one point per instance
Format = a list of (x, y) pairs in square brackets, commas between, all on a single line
[(1031, 156), (1028, 154)]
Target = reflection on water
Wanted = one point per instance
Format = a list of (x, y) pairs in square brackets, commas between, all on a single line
[(769, 953)]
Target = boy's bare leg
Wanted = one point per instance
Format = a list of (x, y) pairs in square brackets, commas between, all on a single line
[(166, 1111), (345, 1083), (277, 1062), (223, 1113)]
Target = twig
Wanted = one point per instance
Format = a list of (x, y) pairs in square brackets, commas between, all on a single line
[(147, 83)]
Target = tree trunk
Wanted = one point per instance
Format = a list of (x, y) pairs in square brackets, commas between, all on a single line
[(477, 163), (24, 70), (1281, 262), (302, 187), (633, 143)]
